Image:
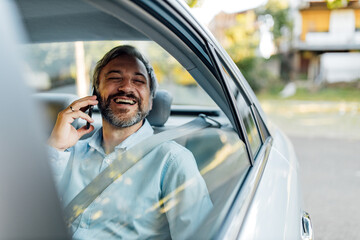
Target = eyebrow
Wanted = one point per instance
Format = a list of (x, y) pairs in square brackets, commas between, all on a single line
[(112, 71), (120, 72)]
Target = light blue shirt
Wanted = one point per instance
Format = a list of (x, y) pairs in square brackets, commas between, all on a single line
[(162, 196)]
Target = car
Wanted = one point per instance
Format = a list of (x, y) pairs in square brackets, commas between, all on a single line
[(248, 164)]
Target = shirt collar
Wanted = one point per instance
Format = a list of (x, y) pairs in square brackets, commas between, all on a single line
[(144, 131)]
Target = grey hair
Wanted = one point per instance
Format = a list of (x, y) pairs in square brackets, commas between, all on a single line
[(120, 51)]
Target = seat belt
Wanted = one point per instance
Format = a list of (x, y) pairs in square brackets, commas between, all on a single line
[(123, 162)]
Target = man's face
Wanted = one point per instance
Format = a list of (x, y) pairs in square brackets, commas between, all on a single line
[(124, 89)]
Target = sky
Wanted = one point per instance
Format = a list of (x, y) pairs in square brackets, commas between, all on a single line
[(209, 8)]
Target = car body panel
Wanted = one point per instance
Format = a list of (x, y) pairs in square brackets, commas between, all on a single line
[(276, 209)]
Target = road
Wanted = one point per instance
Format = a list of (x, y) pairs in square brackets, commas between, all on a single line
[(330, 177), (326, 137)]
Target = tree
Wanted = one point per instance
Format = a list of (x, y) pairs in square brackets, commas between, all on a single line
[(193, 3), (281, 30), (334, 4), (279, 10)]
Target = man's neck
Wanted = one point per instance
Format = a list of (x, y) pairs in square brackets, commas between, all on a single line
[(113, 136)]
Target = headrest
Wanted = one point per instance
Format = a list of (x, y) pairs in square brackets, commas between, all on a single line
[(161, 108), (53, 103)]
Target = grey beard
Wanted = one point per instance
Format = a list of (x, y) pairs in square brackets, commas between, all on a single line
[(123, 123), (111, 118)]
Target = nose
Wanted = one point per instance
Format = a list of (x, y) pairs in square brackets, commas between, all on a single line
[(125, 84)]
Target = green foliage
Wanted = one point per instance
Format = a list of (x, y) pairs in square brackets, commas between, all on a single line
[(256, 74), (242, 39), (280, 14), (169, 73), (334, 4), (346, 93), (247, 66), (193, 3)]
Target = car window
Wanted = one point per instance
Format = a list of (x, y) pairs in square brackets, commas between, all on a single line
[(66, 67), (245, 112), (251, 129)]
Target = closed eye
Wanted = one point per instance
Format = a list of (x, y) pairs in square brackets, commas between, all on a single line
[(139, 81)]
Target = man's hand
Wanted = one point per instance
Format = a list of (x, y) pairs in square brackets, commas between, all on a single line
[(64, 135)]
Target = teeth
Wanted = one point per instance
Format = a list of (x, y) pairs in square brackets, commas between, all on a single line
[(125, 101)]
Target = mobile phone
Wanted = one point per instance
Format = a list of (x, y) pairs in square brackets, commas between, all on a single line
[(90, 110)]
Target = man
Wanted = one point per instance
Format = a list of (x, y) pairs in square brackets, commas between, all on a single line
[(161, 196)]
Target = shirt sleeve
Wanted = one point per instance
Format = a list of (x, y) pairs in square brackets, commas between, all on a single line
[(186, 198), (58, 162)]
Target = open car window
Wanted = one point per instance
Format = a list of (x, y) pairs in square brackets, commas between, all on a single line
[(219, 153), (67, 67)]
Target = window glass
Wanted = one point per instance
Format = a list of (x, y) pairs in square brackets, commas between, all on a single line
[(246, 114), (223, 163), (251, 129)]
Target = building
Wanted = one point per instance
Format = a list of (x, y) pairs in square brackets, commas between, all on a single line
[(327, 41)]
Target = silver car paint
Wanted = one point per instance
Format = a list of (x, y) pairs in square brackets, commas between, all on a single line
[(276, 209)]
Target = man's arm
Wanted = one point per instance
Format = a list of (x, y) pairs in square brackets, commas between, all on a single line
[(188, 201), (64, 135), (58, 161)]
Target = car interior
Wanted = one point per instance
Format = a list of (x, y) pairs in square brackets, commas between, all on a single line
[(221, 156)]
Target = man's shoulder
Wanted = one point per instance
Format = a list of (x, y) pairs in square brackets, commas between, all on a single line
[(172, 146), (173, 150)]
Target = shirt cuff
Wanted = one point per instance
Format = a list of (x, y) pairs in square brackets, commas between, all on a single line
[(58, 160)]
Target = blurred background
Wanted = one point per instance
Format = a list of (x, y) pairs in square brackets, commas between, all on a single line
[(302, 59)]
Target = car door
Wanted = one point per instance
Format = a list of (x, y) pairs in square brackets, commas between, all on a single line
[(249, 125), (264, 180), (276, 192)]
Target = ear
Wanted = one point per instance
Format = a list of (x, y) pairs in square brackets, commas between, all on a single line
[(96, 93)]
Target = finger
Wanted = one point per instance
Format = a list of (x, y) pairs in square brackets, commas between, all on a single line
[(78, 114), (83, 103), (83, 130)]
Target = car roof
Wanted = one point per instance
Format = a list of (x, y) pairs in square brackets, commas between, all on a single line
[(71, 20)]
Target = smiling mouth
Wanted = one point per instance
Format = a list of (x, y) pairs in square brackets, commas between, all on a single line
[(124, 101)]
